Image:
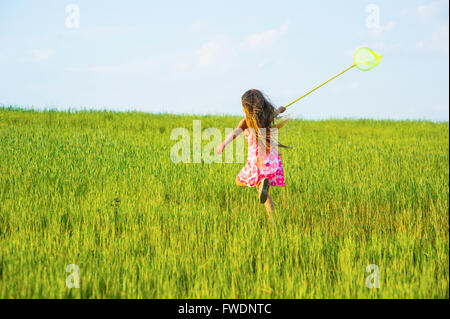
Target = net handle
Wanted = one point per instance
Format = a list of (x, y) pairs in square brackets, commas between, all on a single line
[(301, 97)]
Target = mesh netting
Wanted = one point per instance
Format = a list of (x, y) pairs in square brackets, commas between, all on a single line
[(365, 59)]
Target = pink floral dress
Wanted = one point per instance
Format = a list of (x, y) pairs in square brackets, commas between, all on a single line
[(271, 166)]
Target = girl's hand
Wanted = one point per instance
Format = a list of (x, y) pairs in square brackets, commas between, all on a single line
[(219, 149), (281, 109)]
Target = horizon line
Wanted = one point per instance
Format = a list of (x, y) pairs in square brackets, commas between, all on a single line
[(71, 110)]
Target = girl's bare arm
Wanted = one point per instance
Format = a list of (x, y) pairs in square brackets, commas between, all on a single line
[(235, 133), (278, 111)]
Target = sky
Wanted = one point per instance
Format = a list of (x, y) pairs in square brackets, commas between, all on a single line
[(199, 57)]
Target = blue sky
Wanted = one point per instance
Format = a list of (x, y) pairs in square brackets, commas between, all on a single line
[(200, 56)]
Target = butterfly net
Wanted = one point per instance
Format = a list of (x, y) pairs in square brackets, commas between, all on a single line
[(365, 59)]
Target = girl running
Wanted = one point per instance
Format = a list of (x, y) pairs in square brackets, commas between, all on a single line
[(264, 167)]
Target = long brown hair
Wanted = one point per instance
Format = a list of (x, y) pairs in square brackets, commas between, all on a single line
[(260, 114)]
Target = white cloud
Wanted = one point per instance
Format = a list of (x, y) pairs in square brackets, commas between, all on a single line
[(381, 47), (266, 37), (442, 108), (427, 12), (198, 26), (220, 50), (419, 45), (132, 67), (103, 31), (438, 40), (379, 31), (181, 65), (41, 54), (211, 52), (384, 47)]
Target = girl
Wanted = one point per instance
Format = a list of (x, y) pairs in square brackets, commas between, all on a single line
[(264, 167)]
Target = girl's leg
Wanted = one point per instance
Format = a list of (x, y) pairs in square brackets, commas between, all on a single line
[(269, 209), (263, 190), (269, 204)]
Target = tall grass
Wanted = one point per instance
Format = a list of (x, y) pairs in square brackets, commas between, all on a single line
[(98, 189)]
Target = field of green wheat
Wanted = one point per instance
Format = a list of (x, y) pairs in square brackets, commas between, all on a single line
[(99, 190)]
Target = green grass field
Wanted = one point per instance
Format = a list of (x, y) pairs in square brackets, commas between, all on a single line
[(98, 189)]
